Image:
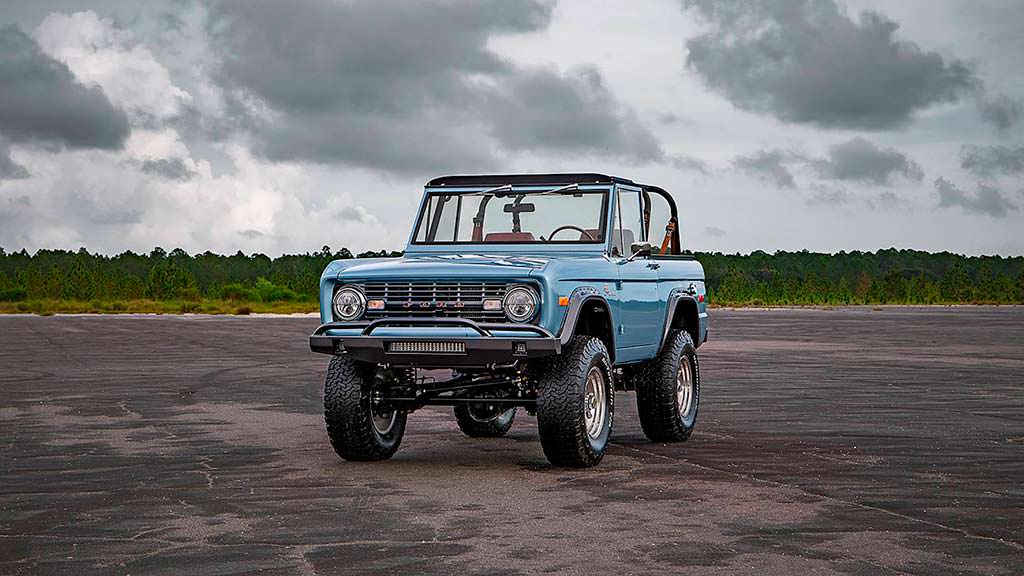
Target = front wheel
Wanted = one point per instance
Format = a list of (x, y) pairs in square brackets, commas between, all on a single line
[(668, 391), (575, 404), (360, 427)]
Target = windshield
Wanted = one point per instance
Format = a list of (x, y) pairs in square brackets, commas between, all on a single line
[(512, 217)]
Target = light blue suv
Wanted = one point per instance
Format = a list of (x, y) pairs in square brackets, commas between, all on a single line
[(545, 292)]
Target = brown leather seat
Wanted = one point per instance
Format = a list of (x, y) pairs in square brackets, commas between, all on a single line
[(595, 234), (509, 237)]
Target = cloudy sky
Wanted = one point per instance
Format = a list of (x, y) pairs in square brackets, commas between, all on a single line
[(277, 127)]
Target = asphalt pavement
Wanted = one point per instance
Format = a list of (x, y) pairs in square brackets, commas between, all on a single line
[(847, 441)]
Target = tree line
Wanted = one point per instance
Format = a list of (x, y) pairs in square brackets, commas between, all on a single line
[(757, 279)]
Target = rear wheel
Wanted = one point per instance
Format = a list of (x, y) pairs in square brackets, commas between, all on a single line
[(484, 420), (575, 404), (668, 391), (359, 425)]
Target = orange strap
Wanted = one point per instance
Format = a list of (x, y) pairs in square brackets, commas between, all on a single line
[(669, 229)]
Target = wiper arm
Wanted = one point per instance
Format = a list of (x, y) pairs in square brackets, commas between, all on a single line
[(502, 188), (566, 188)]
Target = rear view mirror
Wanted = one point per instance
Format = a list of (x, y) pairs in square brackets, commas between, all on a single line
[(521, 207)]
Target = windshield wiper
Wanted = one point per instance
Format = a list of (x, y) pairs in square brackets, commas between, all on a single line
[(566, 188), (495, 190)]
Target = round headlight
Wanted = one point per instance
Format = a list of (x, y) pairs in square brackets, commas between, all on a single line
[(520, 304), (349, 304)]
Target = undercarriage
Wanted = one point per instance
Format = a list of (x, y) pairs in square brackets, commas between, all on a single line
[(409, 389)]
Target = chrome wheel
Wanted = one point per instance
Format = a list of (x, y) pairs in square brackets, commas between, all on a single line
[(684, 387), (382, 418), (595, 402)]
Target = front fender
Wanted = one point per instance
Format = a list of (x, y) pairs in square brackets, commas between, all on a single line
[(584, 303)]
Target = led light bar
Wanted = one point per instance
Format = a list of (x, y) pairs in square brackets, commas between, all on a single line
[(426, 348)]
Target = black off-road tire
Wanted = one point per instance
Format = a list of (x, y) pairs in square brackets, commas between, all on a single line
[(657, 398), (348, 414), (560, 404)]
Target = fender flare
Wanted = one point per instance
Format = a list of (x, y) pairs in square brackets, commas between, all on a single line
[(673, 310), (579, 298)]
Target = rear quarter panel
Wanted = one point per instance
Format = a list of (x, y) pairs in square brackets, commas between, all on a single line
[(679, 273)]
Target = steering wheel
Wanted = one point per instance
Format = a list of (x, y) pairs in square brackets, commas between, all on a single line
[(570, 227)]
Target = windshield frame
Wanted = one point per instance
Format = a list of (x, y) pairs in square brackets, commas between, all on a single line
[(604, 190)]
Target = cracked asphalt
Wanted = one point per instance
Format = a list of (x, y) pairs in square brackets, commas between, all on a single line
[(848, 441)]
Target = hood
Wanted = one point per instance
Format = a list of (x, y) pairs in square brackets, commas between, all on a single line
[(440, 266)]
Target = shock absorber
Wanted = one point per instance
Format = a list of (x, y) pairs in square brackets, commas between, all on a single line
[(525, 386)]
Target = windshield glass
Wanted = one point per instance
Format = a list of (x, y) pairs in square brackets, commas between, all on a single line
[(504, 217)]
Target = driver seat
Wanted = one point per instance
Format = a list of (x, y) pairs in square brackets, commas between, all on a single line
[(595, 233)]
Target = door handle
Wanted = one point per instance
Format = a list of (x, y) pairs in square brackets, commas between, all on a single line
[(653, 265)]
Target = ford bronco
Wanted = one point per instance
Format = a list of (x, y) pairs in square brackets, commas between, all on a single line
[(541, 292)]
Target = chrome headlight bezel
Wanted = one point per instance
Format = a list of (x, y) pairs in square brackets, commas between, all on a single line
[(512, 304), (358, 304)]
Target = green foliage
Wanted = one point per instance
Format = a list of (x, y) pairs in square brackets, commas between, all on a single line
[(195, 283), (884, 277), (235, 292), (167, 280), (270, 292), (13, 295)]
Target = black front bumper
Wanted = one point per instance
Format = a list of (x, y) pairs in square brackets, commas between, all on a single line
[(443, 351)]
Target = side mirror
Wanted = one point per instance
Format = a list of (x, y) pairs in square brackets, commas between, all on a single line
[(640, 249)]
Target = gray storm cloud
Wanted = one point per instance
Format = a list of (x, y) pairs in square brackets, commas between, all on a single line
[(987, 200), (770, 166), (856, 160), (992, 160), (825, 196), (806, 61), (42, 103), (1001, 111), (545, 110), (9, 169), (690, 163), (412, 89), (859, 160), (169, 168)]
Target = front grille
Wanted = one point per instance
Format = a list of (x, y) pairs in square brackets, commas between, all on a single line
[(427, 348), (436, 300)]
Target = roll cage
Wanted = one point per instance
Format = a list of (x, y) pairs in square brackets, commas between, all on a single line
[(668, 245)]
